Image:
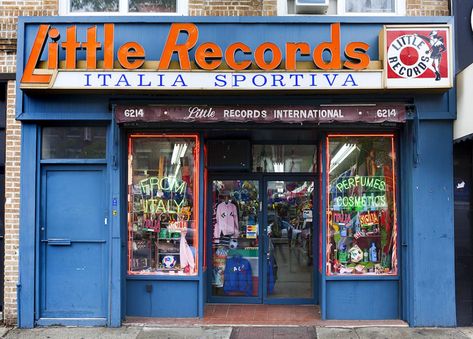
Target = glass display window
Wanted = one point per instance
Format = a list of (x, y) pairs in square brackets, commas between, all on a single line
[(163, 204), (361, 215)]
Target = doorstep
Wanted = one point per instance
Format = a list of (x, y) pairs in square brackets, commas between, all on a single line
[(260, 315)]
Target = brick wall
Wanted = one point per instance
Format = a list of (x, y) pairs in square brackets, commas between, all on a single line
[(427, 7), (269, 7), (9, 11), (12, 205)]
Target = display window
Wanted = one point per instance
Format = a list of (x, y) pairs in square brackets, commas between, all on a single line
[(163, 204), (361, 195)]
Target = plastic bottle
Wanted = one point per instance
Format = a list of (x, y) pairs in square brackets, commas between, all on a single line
[(373, 253), (343, 254), (343, 231)]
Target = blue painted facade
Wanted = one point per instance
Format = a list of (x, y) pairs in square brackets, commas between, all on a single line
[(422, 293)]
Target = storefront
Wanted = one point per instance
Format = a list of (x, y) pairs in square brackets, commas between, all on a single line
[(171, 163)]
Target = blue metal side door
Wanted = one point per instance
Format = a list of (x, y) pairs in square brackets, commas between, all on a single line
[(73, 235)]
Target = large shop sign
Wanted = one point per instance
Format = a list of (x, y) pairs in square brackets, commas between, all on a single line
[(371, 113), (414, 57)]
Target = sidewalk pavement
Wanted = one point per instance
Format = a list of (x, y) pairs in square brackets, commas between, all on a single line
[(227, 332)]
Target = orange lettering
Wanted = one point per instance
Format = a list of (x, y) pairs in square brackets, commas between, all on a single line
[(230, 56), (71, 45), (333, 47), (91, 47), (291, 51), (208, 56), (356, 51), (131, 50), (108, 45), (35, 54), (53, 49), (182, 50), (261, 51)]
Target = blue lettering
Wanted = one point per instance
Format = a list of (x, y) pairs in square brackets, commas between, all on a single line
[(296, 78), (180, 80), (104, 78), (238, 78), (350, 79), (264, 80), (220, 78), (313, 77), (87, 79), (122, 79), (141, 80), (160, 81), (278, 78), (327, 76)]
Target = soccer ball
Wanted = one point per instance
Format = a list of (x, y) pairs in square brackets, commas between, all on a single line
[(169, 261), (233, 243)]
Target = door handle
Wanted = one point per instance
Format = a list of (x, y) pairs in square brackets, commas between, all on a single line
[(68, 242), (59, 242)]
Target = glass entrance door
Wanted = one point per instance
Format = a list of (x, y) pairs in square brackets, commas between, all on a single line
[(235, 241), (289, 257), (253, 264)]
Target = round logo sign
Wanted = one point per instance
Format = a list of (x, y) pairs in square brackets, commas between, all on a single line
[(409, 56)]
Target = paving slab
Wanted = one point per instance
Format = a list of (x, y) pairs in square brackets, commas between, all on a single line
[(74, 333), (396, 333), (468, 331), (4, 330), (293, 332), (335, 333), (185, 333)]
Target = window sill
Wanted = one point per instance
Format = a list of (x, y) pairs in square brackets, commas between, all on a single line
[(163, 277)]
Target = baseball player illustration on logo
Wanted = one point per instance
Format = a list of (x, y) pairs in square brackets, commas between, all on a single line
[(437, 48)]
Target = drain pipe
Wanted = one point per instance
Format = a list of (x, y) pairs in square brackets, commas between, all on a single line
[(18, 303)]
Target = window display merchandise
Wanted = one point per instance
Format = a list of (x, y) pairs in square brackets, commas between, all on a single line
[(235, 215), (162, 196), (362, 226)]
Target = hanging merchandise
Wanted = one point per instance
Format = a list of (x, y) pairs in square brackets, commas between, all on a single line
[(186, 255), (219, 260), (227, 219), (238, 276)]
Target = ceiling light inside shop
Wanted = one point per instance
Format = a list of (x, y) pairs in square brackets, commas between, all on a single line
[(341, 155)]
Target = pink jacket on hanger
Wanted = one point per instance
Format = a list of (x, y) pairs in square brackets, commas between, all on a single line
[(227, 220)]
